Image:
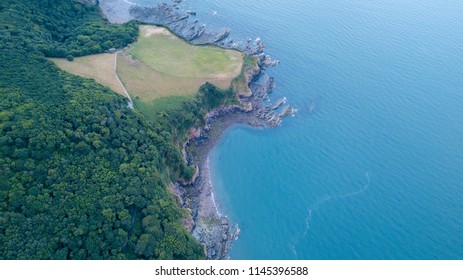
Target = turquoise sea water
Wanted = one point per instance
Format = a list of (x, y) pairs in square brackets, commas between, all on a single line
[(376, 170)]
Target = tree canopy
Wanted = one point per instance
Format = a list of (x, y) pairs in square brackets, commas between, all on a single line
[(81, 175)]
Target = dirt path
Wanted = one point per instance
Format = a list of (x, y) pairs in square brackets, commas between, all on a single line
[(130, 105)]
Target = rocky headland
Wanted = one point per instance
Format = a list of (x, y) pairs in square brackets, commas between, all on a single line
[(208, 225)]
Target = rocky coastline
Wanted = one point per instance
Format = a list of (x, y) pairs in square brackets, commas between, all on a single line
[(181, 22), (207, 224)]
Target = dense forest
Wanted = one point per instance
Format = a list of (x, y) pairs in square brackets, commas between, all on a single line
[(81, 175)]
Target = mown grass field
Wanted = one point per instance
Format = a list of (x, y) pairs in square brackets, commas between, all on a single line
[(99, 67), (160, 64), (170, 55), (147, 84), (160, 71)]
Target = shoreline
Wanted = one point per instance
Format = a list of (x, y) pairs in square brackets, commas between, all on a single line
[(210, 227)]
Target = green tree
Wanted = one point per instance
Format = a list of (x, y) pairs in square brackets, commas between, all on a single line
[(81, 175)]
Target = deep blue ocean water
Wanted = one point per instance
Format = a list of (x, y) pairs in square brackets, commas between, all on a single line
[(375, 171)]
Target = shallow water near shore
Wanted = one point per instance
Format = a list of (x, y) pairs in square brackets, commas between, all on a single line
[(371, 165)]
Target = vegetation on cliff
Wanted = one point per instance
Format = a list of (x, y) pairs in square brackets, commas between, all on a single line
[(81, 175)]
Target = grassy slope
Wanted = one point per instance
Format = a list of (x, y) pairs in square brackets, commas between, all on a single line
[(168, 54), (98, 66), (145, 83), (166, 71)]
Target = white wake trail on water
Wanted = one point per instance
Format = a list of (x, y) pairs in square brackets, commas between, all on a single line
[(325, 199)]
